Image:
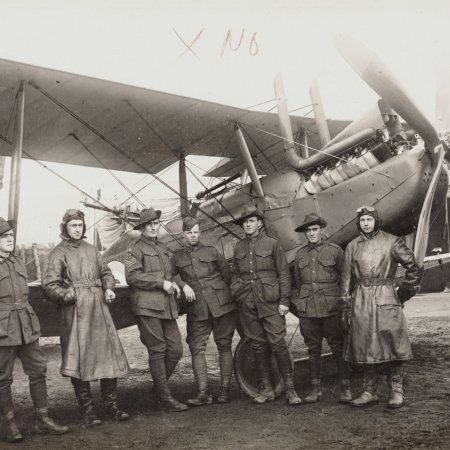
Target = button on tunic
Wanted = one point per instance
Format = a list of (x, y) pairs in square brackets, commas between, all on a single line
[(18, 321), (147, 265), (206, 271), (317, 268), (261, 274)]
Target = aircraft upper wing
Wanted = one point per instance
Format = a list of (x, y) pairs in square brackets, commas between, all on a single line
[(69, 117)]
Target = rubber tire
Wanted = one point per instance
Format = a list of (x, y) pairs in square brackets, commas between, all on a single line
[(245, 370)]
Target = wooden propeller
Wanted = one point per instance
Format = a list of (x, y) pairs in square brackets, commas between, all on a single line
[(373, 71)]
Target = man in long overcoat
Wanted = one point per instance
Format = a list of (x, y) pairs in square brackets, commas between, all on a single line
[(317, 269), (82, 285), (261, 284), (19, 337), (205, 276), (148, 270), (373, 311)]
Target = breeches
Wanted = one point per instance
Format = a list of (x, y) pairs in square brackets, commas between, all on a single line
[(222, 328), (34, 362), (315, 329), (161, 337), (263, 331)]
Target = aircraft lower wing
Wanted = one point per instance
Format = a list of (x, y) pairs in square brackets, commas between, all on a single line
[(85, 121)]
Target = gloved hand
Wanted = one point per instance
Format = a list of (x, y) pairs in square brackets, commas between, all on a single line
[(344, 319), (406, 292), (70, 296), (344, 313)]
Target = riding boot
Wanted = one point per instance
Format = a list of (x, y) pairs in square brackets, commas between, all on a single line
[(369, 396), (226, 371), (345, 395), (201, 376), (284, 365), (395, 383), (110, 397), (170, 367), (12, 433), (165, 400), (266, 393), (84, 398), (315, 394), (45, 425)]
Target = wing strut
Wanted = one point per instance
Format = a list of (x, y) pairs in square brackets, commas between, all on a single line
[(247, 157), (16, 161), (184, 202)]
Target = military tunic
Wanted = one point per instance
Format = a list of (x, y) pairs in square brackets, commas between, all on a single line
[(18, 321), (317, 270), (206, 271), (19, 331), (90, 344), (260, 283), (147, 266), (378, 330)]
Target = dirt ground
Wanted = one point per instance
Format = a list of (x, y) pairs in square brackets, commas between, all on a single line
[(423, 423)]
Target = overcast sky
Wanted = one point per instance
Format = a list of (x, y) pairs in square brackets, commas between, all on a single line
[(140, 43)]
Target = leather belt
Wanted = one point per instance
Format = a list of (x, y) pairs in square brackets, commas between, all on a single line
[(374, 281), (257, 274), (85, 283), (207, 282), (12, 306)]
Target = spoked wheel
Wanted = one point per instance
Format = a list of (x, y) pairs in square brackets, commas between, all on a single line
[(247, 375)]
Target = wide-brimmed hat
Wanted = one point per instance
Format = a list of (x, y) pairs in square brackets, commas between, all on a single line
[(249, 211), (147, 215), (6, 225), (312, 219)]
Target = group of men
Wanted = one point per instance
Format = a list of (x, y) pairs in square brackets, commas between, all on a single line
[(349, 300)]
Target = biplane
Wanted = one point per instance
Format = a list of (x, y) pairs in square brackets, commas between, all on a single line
[(289, 166)]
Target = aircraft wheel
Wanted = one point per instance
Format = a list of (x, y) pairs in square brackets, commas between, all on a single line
[(246, 374)]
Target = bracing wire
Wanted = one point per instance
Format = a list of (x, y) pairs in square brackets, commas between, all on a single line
[(126, 155)]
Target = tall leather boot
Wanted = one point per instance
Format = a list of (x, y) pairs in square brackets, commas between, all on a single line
[(284, 365), (110, 397), (201, 376), (395, 383), (226, 371), (266, 393), (84, 398), (345, 395), (369, 395), (43, 423), (12, 433), (170, 367), (166, 401), (315, 395)]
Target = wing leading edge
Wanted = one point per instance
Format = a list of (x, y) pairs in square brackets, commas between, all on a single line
[(76, 119)]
